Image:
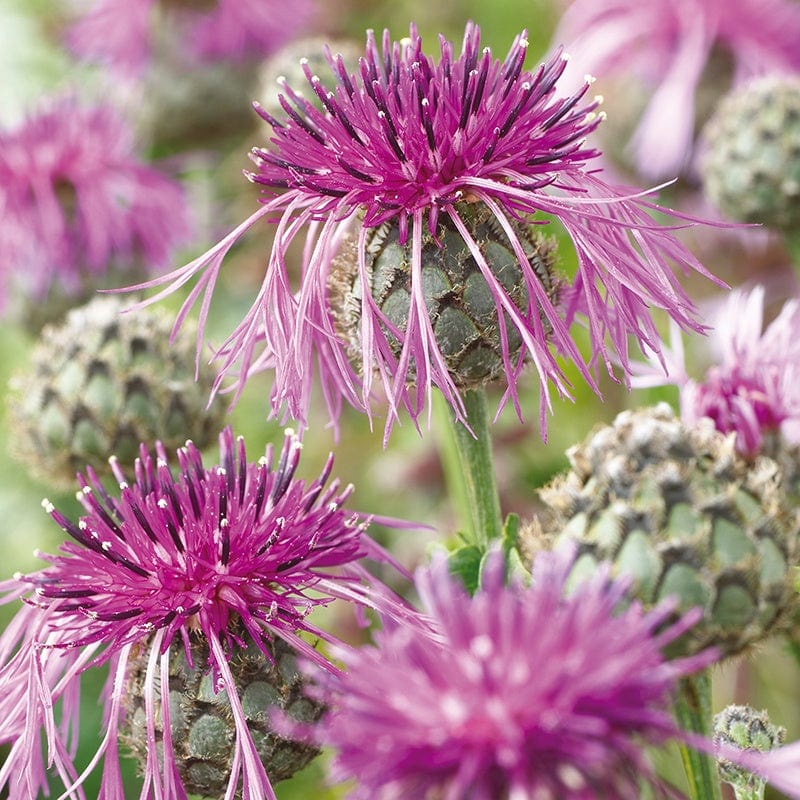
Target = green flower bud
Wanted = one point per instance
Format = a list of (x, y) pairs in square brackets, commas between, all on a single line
[(747, 729), (751, 162), (101, 383)]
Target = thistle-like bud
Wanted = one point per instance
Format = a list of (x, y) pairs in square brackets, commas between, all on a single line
[(201, 723), (751, 163), (679, 511), (747, 729), (459, 302), (101, 383)]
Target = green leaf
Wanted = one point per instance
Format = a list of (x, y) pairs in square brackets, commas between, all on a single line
[(515, 567), (511, 532), (465, 563)]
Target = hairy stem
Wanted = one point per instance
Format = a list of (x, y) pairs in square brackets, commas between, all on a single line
[(467, 460), (693, 711)]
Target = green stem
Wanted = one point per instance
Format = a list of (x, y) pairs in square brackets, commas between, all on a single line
[(471, 456), (693, 711), (792, 239)]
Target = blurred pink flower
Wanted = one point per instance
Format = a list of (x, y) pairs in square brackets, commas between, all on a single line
[(517, 692), (121, 33), (753, 387), (405, 140), (77, 201), (666, 46)]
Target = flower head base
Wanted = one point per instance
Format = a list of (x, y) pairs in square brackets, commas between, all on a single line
[(201, 725), (753, 388), (235, 556), (408, 141), (476, 348), (122, 32), (669, 46), (516, 692), (79, 203)]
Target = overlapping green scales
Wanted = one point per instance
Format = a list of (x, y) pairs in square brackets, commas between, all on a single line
[(680, 512), (103, 382), (461, 307), (751, 160), (202, 725)]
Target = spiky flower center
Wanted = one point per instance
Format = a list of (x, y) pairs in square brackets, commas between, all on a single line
[(238, 539), (411, 134), (473, 335), (287, 68)]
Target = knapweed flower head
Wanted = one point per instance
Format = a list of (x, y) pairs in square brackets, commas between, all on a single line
[(78, 202), (752, 388), (668, 47), (426, 147), (518, 692), (227, 562), (122, 33)]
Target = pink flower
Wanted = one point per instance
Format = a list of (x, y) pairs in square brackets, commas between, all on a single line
[(666, 46), (239, 553), (517, 692), (121, 32), (753, 387), (405, 140), (77, 201)]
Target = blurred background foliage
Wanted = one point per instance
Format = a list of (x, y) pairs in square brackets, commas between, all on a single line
[(406, 479)]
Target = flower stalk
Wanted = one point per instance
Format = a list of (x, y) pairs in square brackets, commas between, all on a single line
[(692, 708), (481, 520), (793, 648)]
